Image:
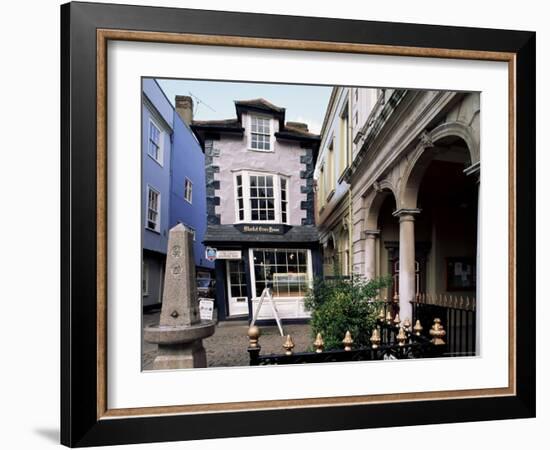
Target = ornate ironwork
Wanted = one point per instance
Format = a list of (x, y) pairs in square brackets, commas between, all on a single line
[(387, 342)]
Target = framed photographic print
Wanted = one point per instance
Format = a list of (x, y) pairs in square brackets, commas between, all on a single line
[(277, 224)]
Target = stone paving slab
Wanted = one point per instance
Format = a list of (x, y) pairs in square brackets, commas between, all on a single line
[(228, 345)]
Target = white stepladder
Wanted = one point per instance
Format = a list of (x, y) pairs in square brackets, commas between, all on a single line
[(267, 293)]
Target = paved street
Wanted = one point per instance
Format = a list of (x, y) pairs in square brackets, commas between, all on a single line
[(227, 347)]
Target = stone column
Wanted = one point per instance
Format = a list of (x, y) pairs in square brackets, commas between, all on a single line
[(180, 331), (370, 253), (475, 171), (406, 261)]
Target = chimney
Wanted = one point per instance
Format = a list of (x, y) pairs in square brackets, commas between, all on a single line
[(184, 107), (298, 125)]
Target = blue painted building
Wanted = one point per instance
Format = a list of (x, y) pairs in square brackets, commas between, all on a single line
[(188, 181), (173, 186)]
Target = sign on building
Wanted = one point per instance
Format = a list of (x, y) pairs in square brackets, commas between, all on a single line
[(229, 254), (206, 308), (213, 253), (262, 229)]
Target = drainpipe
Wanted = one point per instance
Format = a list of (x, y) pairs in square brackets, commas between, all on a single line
[(350, 197)]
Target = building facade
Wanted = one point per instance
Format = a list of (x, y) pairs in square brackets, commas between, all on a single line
[(188, 183), (412, 180), (260, 209), (172, 187)]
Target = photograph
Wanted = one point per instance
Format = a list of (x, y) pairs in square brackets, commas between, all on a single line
[(277, 224), (281, 226)]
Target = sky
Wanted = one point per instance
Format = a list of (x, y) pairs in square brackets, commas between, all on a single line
[(215, 99)]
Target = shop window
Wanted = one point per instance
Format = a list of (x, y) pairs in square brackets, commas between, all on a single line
[(286, 271)]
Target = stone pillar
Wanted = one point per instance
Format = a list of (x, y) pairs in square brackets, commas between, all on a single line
[(180, 331), (370, 253), (475, 171), (406, 261)]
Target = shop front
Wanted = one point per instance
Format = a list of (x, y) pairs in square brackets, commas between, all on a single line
[(249, 259)]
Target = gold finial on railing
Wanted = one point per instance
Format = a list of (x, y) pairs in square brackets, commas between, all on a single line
[(375, 338), (437, 332), (288, 345), (253, 336), (388, 317), (418, 328), (461, 302), (381, 315), (396, 320), (401, 337), (396, 298), (407, 325), (319, 344), (347, 341)]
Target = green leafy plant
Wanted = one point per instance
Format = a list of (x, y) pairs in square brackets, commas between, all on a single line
[(339, 304)]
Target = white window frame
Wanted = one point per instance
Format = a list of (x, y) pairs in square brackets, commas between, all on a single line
[(271, 133), (309, 264), (185, 191), (159, 201), (246, 174), (193, 232), (160, 157)]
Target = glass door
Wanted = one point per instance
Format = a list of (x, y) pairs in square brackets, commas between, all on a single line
[(236, 288)]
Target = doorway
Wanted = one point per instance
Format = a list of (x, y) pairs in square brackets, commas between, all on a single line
[(237, 297)]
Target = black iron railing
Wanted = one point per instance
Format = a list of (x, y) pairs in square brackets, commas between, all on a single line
[(390, 339), (457, 315)]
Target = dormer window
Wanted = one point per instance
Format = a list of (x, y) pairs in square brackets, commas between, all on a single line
[(260, 133)]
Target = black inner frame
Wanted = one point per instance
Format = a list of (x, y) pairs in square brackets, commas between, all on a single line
[(79, 425)]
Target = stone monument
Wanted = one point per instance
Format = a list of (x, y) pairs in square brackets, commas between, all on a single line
[(180, 331)]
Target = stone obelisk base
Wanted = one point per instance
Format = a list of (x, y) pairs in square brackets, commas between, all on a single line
[(180, 356)]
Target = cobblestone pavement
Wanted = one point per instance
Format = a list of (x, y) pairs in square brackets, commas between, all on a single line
[(227, 346)]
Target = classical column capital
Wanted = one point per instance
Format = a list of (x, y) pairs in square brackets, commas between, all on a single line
[(371, 233), (406, 213), (426, 140)]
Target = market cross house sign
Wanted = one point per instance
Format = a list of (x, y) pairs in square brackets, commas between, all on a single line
[(262, 229)]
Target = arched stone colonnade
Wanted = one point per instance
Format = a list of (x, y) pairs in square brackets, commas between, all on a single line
[(403, 181)]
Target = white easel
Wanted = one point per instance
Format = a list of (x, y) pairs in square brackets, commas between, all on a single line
[(267, 293)]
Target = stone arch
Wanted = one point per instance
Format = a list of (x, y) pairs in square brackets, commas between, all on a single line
[(421, 157), (374, 201)]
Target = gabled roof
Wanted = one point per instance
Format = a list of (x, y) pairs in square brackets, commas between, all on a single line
[(218, 125), (260, 105), (289, 132), (292, 130)]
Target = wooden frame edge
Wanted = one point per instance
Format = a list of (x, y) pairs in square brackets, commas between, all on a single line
[(101, 223), (103, 36)]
